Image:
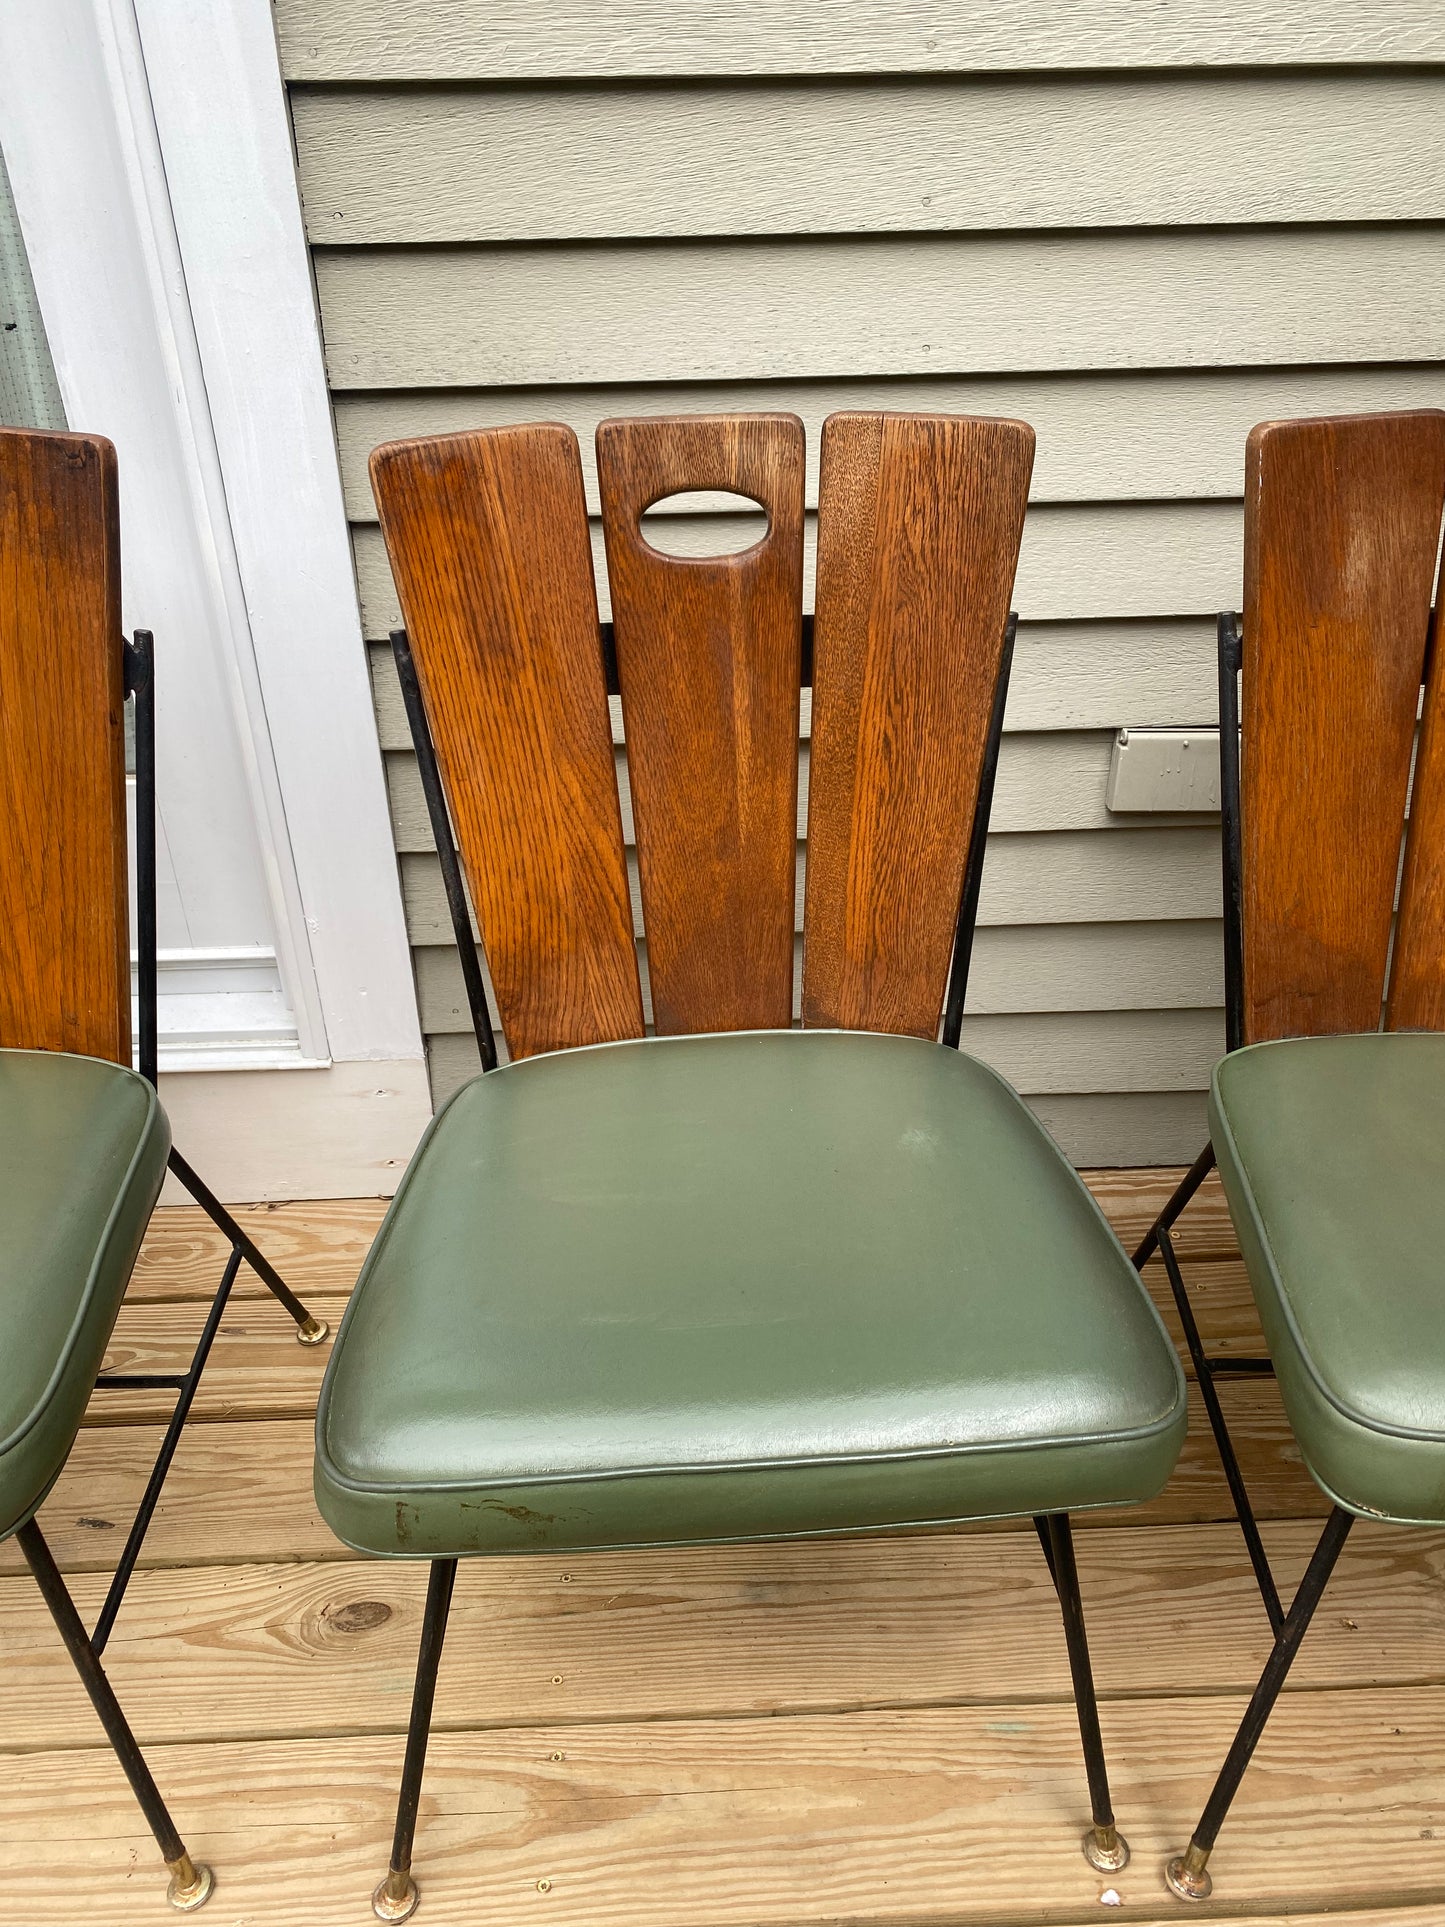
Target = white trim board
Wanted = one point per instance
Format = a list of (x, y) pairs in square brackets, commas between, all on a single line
[(220, 111), (149, 151)]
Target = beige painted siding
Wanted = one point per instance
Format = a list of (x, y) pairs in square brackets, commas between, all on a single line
[(1141, 229)]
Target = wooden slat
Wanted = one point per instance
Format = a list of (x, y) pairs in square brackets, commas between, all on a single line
[(275, 1652), (1143, 435), (396, 40), (1066, 676), (463, 163), (922, 305), (1341, 534), (487, 535), (1079, 562), (708, 653), (64, 946), (918, 538), (1416, 999), (965, 1815)]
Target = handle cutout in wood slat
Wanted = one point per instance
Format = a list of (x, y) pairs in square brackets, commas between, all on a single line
[(709, 666), (1342, 527), (670, 529), (487, 534), (64, 939), (919, 523)]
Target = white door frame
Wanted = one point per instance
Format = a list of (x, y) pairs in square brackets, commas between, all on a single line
[(150, 156)]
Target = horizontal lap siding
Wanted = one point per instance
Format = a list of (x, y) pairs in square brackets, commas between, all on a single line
[(1142, 230)]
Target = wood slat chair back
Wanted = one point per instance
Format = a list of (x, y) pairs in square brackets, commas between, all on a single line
[(1342, 530), (919, 524), (488, 539), (64, 917), (708, 664)]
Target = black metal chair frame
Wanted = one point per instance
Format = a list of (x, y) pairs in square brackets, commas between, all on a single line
[(1188, 1873), (190, 1885), (1105, 1848)]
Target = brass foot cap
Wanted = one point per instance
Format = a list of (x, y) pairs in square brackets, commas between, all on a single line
[(186, 1895), (315, 1331), (1110, 1859), (396, 1898), (1189, 1883)]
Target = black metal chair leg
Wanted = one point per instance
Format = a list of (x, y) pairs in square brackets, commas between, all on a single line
[(309, 1330), (397, 1896), (1041, 1527), (1188, 1873), (190, 1885), (1105, 1848)]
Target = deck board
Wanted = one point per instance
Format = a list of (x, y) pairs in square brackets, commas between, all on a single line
[(871, 1731), (961, 1815), (306, 1649)]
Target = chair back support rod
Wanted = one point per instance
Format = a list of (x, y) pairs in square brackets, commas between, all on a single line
[(967, 922), (441, 825)]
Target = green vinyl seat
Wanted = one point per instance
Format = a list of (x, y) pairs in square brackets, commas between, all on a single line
[(1332, 1152), (83, 1148), (722, 1287)]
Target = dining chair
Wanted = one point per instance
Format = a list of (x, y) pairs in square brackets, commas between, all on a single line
[(84, 1143), (679, 1273), (1327, 1115)]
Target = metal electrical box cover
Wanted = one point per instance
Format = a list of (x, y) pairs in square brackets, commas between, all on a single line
[(1164, 770)]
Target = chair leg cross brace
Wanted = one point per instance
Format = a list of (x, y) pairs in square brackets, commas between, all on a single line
[(1188, 1872), (1205, 1371), (190, 1885)]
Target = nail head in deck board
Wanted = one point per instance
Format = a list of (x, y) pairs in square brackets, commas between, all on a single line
[(919, 524), (708, 653), (64, 938), (1342, 530), (487, 534)]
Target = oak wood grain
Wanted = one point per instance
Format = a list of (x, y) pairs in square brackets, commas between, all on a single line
[(64, 943), (708, 656), (1342, 525), (1416, 997), (487, 534), (919, 524)]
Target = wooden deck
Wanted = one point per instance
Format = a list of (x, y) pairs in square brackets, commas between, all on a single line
[(875, 1731)]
